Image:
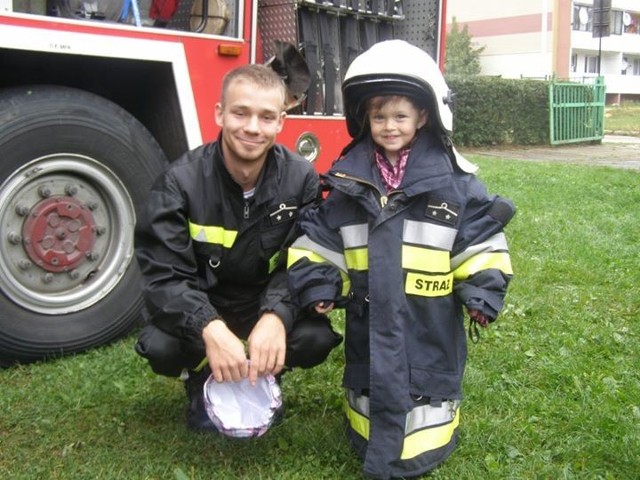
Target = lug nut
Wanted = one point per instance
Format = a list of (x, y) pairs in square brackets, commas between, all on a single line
[(14, 238), (44, 191), (22, 210)]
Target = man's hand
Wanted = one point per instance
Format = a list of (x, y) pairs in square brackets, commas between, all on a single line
[(267, 347), (225, 352)]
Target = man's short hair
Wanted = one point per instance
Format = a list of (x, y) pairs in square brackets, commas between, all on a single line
[(259, 75)]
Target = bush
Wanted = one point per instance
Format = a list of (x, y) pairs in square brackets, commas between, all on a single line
[(496, 111)]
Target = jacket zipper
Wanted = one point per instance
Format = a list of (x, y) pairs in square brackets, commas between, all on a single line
[(383, 197), (246, 209)]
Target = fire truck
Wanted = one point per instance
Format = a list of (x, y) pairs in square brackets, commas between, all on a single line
[(98, 96)]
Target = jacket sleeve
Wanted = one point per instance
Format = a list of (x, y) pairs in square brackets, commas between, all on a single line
[(316, 265), (481, 263), (167, 261)]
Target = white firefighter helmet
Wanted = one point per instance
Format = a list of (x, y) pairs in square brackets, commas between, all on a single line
[(395, 67)]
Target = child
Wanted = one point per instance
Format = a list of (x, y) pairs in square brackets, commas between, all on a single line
[(406, 238)]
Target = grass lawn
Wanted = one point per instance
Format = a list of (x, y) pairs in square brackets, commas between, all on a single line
[(552, 389), (623, 119)]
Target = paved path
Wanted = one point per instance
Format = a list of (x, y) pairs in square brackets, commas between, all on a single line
[(615, 151)]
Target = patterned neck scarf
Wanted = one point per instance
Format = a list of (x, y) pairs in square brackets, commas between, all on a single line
[(392, 174)]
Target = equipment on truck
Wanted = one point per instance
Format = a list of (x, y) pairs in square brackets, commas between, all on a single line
[(97, 96)]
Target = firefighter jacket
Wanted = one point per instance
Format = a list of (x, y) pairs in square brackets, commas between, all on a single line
[(403, 264), (202, 247)]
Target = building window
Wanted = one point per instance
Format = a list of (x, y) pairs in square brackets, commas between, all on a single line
[(582, 18), (574, 62), (636, 66), (615, 25), (590, 64)]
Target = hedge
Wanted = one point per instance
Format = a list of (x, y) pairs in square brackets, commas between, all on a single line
[(498, 111)]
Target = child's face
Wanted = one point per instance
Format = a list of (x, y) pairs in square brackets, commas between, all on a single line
[(394, 122)]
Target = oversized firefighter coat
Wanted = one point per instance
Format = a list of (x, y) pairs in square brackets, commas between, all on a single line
[(403, 264)]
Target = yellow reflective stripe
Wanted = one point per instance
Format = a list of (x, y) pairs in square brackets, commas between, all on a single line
[(429, 439), (484, 261), (428, 285), (295, 254), (425, 259), (421, 441), (358, 422), (496, 243), (357, 258), (331, 256), (212, 234), (273, 262)]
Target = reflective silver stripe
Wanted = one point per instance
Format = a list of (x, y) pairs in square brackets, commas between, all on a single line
[(422, 416), (496, 243), (336, 258), (354, 236), (359, 403), (427, 416), (424, 233)]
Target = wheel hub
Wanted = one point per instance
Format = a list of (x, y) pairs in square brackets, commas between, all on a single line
[(59, 234)]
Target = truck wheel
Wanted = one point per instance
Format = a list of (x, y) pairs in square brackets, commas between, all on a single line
[(74, 170)]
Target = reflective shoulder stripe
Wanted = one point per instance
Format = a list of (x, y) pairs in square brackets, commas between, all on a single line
[(425, 259), (428, 234), (304, 247), (484, 261), (496, 243), (323, 253), (212, 234), (354, 236)]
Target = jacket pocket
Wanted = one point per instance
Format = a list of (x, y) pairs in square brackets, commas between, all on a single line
[(435, 384)]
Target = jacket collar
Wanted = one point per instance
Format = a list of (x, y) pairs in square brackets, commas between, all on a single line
[(268, 180), (428, 168)]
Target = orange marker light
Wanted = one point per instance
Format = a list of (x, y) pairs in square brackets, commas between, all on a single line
[(230, 50)]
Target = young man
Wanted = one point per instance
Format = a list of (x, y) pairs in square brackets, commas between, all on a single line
[(211, 244)]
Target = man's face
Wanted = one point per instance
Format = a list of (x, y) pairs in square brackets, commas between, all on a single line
[(250, 118)]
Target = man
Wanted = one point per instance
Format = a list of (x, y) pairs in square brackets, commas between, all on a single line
[(211, 249)]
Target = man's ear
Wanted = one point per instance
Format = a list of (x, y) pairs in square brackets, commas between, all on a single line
[(219, 110), (283, 115)]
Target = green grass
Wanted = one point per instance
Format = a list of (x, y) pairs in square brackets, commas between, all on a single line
[(552, 389), (623, 119)]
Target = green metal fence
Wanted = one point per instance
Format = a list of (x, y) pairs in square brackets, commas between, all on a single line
[(576, 111)]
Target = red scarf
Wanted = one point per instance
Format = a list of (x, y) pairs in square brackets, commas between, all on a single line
[(392, 174)]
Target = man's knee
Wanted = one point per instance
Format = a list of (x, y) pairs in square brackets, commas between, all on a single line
[(310, 341), (164, 352)]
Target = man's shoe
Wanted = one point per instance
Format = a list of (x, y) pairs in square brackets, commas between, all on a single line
[(197, 418)]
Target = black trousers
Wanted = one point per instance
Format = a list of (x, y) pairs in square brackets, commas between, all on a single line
[(308, 344)]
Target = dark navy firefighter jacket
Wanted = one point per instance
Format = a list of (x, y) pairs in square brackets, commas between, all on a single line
[(230, 255), (403, 264)]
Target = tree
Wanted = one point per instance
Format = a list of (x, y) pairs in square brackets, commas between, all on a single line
[(462, 58)]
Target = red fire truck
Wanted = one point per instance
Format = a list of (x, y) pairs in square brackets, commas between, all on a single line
[(97, 96)]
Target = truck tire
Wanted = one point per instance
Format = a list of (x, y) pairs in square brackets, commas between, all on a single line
[(74, 170)]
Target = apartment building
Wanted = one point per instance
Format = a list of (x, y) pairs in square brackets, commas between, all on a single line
[(544, 38)]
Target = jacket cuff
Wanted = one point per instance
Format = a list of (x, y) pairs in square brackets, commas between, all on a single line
[(313, 295)]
